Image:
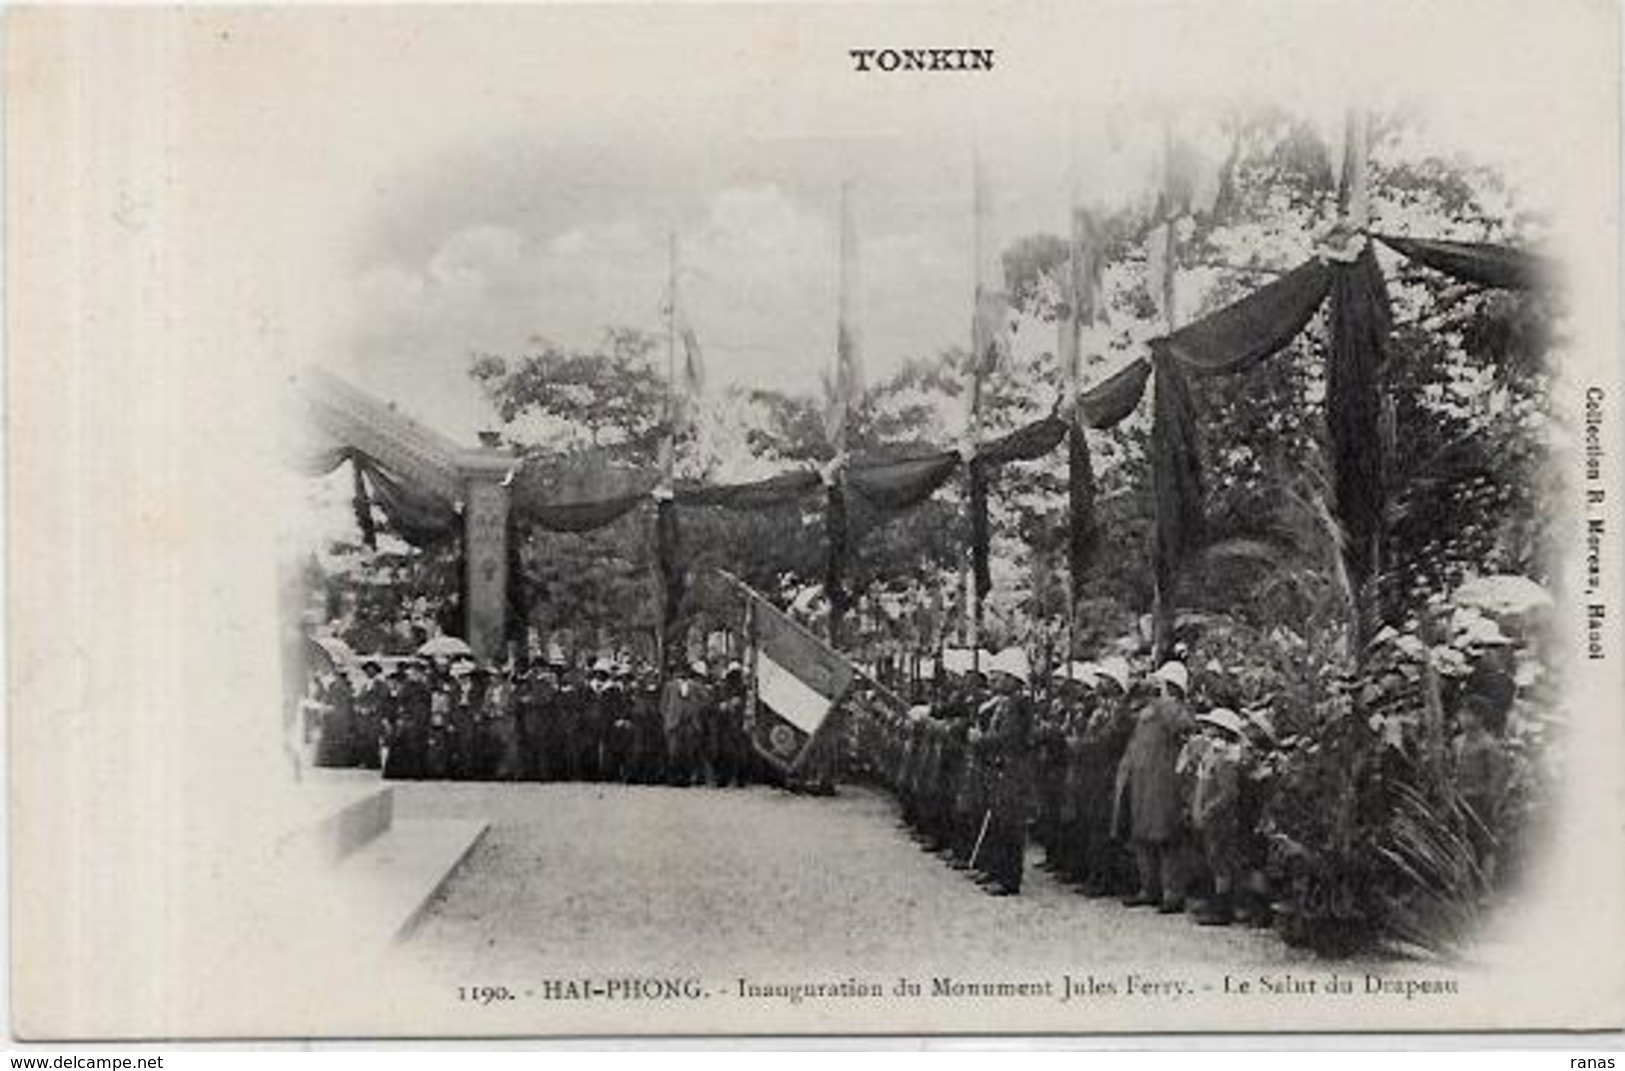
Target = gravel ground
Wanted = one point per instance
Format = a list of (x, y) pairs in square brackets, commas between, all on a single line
[(581, 877)]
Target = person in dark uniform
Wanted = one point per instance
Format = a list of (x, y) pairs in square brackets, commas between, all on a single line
[(1106, 867), (964, 776), (1074, 704), (1049, 772), (1007, 757), (731, 746)]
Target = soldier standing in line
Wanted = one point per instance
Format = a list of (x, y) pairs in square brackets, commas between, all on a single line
[(974, 778), (908, 756), (1106, 868), (1049, 773), (732, 745), (959, 775), (1007, 750), (1074, 705)]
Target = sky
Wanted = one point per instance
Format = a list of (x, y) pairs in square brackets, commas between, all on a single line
[(535, 195), (560, 242)]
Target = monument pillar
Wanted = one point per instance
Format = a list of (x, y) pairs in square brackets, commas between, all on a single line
[(485, 520)]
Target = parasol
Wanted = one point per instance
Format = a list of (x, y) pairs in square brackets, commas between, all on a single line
[(445, 647)]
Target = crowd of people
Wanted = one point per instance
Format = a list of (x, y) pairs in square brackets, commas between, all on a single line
[(1131, 781), (456, 718), (1133, 784)]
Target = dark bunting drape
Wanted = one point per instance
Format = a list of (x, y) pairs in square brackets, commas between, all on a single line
[(575, 516), (903, 483), (519, 593), (318, 460), (1106, 403), (673, 582), (1102, 406), (361, 504), (780, 490), (982, 577), (418, 515), (1245, 332), (1083, 529), (454, 616), (1484, 263), (1360, 321), (1026, 443), (1176, 475)]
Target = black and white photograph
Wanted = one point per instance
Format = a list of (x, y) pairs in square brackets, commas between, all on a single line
[(816, 520)]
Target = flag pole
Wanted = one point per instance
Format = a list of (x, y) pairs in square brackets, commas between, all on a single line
[(979, 211), (843, 384), (1071, 351), (1162, 604), (671, 354), (668, 462)]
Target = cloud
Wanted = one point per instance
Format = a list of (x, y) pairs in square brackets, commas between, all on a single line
[(758, 284)]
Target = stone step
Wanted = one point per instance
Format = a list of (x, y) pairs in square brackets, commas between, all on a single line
[(326, 821), (389, 882)]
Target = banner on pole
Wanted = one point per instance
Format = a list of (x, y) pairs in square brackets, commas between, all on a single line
[(798, 679)]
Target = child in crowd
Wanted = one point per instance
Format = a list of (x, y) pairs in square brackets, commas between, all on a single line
[(1216, 810)]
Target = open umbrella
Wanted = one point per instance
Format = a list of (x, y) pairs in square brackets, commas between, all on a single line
[(445, 647), (318, 659), (338, 652)]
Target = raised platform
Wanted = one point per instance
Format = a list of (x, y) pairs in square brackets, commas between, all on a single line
[(328, 819), (374, 875), (398, 874)]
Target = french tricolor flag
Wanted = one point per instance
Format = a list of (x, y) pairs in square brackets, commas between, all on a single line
[(798, 679)]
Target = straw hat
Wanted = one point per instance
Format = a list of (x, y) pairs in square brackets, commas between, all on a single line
[(1115, 668), (1174, 673), (1224, 718), (1011, 661)]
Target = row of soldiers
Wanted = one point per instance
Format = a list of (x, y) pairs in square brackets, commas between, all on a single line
[(1125, 789), (456, 719)]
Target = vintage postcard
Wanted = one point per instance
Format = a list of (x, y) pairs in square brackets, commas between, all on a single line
[(620, 519)]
